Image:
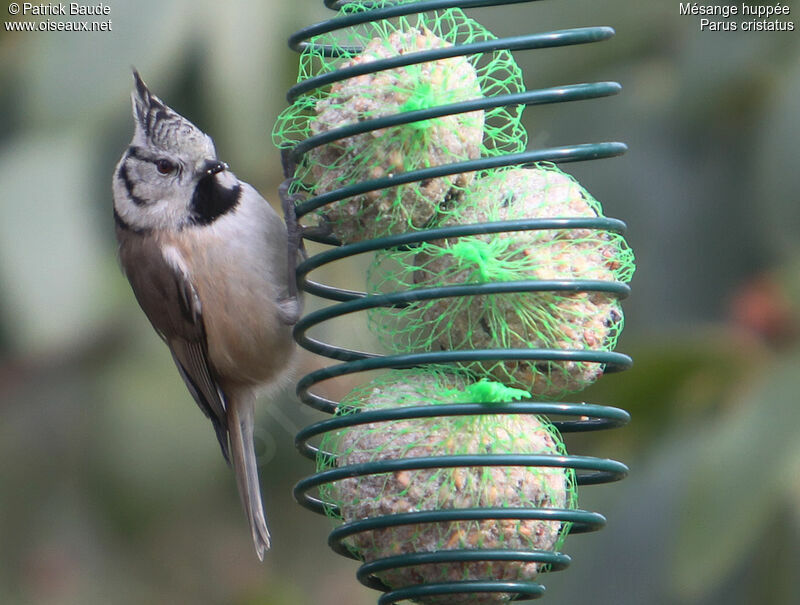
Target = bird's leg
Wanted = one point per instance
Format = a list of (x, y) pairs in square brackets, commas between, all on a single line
[(288, 163), (290, 306), (295, 234)]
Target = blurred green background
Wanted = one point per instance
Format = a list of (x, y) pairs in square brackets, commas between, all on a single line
[(112, 489)]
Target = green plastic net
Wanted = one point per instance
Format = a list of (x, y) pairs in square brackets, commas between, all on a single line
[(446, 488), (552, 320), (407, 147)]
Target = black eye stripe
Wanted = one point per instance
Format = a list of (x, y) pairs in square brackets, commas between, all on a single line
[(140, 154), (143, 155)]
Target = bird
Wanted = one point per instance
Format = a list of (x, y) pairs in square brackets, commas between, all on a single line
[(209, 262)]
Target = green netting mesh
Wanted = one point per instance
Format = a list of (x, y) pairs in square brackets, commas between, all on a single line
[(446, 488), (393, 150), (559, 320)]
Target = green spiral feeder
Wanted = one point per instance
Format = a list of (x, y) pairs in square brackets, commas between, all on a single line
[(493, 288)]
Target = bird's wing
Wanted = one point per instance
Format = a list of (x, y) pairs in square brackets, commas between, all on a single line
[(163, 287)]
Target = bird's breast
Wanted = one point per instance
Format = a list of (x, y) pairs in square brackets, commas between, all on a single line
[(233, 269)]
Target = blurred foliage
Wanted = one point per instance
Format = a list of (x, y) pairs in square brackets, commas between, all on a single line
[(113, 489)]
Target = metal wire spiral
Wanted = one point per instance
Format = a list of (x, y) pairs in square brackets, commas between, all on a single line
[(566, 417)]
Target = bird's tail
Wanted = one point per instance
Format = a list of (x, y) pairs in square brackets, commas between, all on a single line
[(241, 410)]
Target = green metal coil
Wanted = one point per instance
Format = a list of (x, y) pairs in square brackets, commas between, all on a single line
[(566, 417)]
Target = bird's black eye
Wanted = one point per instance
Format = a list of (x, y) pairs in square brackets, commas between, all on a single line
[(164, 166)]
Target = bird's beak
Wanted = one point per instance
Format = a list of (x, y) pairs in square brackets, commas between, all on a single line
[(212, 167)]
